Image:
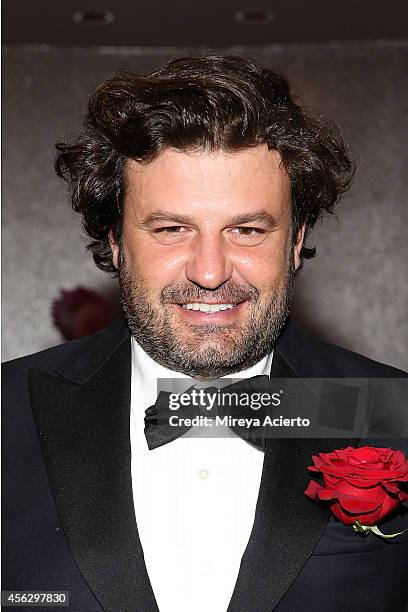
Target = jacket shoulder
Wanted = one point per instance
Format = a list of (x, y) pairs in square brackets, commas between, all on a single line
[(47, 358), (317, 358), (72, 355)]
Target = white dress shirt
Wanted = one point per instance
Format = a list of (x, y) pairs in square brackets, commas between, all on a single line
[(194, 501)]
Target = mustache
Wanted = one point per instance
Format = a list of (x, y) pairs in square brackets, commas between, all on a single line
[(231, 292)]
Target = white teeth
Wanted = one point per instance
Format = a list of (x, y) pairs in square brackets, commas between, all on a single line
[(208, 307)]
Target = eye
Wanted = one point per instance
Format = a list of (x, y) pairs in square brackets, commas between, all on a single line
[(171, 234), (172, 229), (247, 231), (245, 235)]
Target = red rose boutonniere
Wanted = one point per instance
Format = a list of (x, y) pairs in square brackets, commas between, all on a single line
[(362, 485)]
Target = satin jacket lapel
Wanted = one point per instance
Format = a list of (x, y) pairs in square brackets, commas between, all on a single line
[(287, 525), (84, 433)]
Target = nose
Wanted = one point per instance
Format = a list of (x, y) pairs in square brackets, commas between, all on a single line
[(208, 265)]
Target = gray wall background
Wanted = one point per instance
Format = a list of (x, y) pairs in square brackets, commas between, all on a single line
[(354, 293)]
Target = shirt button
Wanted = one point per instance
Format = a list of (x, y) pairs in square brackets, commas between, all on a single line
[(205, 569), (203, 474)]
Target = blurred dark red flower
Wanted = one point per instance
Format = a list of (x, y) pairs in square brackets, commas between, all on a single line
[(80, 312)]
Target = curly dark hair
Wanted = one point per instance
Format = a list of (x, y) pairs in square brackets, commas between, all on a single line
[(198, 102)]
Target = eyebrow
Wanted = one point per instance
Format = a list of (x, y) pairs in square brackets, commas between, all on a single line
[(261, 216)]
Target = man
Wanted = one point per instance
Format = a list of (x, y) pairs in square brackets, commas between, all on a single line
[(198, 185)]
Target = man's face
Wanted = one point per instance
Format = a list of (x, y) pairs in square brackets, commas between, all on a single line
[(207, 258)]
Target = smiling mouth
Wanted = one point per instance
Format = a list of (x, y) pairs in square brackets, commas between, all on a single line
[(209, 308)]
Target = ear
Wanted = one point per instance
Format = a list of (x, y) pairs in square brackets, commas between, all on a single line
[(114, 247), (298, 243)]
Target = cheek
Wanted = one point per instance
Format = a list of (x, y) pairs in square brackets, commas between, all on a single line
[(168, 263), (262, 267), (158, 265)]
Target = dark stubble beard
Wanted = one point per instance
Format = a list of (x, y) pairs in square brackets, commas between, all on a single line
[(208, 350)]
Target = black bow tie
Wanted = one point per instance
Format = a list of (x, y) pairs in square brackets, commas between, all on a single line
[(160, 431)]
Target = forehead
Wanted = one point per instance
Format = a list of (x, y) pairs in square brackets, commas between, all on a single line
[(253, 177)]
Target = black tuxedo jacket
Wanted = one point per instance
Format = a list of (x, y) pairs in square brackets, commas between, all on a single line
[(68, 515)]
